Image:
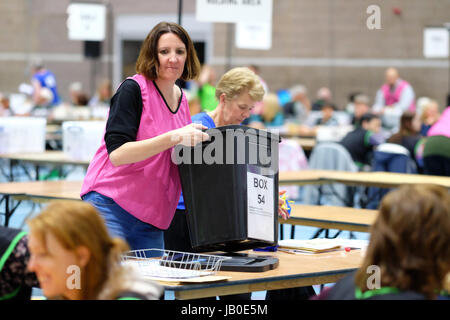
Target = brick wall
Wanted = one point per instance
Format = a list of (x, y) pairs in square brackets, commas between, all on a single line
[(316, 43)]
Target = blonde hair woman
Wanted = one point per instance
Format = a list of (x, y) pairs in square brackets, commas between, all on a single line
[(74, 257), (237, 91), (271, 114)]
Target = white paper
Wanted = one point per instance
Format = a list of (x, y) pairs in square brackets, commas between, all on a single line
[(260, 207), (435, 42), (86, 21), (254, 35)]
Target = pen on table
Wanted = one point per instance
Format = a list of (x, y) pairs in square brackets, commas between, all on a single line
[(287, 250)]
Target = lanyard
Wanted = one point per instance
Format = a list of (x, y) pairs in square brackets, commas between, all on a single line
[(369, 294)]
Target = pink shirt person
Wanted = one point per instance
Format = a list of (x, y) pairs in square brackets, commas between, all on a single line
[(140, 187)]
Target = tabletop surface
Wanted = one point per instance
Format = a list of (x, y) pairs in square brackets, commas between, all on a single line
[(44, 157), (291, 266), (60, 189), (380, 179), (334, 214)]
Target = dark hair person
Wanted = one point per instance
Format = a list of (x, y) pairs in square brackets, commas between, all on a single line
[(131, 179), (410, 246)]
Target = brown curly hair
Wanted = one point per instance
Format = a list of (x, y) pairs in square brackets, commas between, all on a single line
[(147, 63), (410, 240)]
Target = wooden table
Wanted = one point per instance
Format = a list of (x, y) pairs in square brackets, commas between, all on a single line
[(369, 179), (384, 179), (37, 191), (331, 217), (294, 270), (301, 178), (307, 144), (57, 158)]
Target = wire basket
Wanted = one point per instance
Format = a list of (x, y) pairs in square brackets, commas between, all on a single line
[(167, 264)]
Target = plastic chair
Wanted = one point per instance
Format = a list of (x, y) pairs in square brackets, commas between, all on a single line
[(388, 157), (330, 156)]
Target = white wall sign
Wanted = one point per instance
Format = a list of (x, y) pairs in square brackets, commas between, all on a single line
[(435, 42), (86, 21), (260, 207), (251, 35), (234, 10)]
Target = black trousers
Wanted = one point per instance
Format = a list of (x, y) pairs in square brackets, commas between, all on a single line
[(436, 165)]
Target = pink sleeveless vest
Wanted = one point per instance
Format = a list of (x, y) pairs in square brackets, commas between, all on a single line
[(442, 126), (392, 98), (149, 189)]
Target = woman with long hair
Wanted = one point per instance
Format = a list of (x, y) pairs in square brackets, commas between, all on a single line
[(408, 256), (75, 258)]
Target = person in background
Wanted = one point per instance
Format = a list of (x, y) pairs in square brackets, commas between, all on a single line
[(257, 71), (395, 93), (103, 94), (4, 105), (16, 281), (361, 107), (421, 103), (393, 98), (271, 114), (257, 108), (361, 142), (131, 179), (44, 78), (408, 136), (237, 92), (323, 96), (429, 116), (297, 110), (69, 239), (206, 90), (77, 96), (327, 118), (408, 256), (436, 152), (350, 107)]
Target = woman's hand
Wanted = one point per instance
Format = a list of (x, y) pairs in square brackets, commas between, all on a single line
[(190, 135)]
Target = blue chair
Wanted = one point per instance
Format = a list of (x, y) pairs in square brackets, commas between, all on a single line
[(388, 157)]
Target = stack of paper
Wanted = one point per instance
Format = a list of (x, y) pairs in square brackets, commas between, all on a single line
[(313, 245), (319, 245)]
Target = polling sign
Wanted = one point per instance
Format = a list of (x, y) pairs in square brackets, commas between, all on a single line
[(253, 19), (86, 21), (234, 11)]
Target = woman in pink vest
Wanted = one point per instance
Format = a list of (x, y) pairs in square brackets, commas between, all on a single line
[(131, 180)]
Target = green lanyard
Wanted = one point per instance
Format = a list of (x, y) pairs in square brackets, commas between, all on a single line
[(375, 292)]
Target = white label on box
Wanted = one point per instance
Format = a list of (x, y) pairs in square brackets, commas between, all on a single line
[(260, 207)]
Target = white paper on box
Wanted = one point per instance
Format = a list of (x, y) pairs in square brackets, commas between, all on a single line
[(260, 207)]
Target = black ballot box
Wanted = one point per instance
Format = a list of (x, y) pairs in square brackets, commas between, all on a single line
[(230, 189)]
